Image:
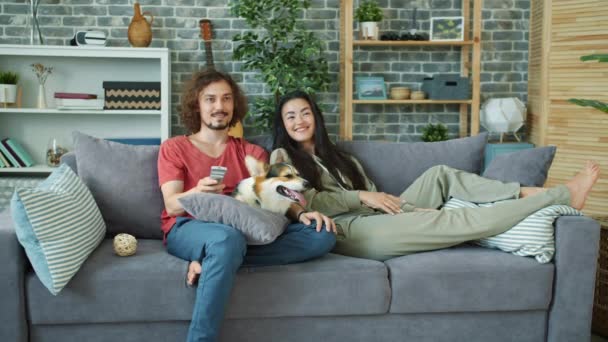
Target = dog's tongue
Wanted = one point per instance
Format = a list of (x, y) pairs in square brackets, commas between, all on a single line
[(297, 196)]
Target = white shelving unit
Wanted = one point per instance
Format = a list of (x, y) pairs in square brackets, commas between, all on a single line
[(82, 70)]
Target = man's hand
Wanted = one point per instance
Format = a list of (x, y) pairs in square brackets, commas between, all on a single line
[(210, 185), (379, 200), (306, 217)]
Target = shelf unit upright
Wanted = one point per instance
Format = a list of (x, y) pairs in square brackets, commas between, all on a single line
[(81, 69), (470, 67)]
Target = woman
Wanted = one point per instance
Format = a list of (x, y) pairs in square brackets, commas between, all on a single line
[(380, 226)]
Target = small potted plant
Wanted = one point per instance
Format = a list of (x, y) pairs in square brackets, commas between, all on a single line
[(433, 132), (369, 14), (8, 87)]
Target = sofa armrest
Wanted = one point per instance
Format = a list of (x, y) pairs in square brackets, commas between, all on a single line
[(576, 250), (12, 271)]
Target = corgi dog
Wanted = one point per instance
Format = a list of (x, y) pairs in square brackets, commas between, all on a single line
[(275, 187)]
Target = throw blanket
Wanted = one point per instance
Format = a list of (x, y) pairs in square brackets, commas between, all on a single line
[(534, 236)]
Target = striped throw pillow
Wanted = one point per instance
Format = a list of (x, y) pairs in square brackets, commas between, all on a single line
[(534, 236), (59, 225)]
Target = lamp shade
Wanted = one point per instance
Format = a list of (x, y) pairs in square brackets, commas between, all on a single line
[(503, 115)]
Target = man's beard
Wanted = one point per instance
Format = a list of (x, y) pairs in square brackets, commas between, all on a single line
[(218, 127)]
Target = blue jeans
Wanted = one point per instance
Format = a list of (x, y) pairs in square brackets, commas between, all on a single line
[(221, 250)]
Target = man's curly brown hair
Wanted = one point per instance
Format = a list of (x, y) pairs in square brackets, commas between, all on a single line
[(190, 110)]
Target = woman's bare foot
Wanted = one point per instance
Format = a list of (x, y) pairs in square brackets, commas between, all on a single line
[(581, 184), (194, 272), (526, 191)]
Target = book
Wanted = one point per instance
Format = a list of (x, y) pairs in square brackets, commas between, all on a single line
[(13, 161), (79, 104), (25, 157), (4, 160), (74, 96)]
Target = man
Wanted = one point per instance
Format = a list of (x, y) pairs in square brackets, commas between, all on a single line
[(212, 102)]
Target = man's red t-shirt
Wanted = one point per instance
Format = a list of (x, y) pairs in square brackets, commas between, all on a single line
[(180, 160)]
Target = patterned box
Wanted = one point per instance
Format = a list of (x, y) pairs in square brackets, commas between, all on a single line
[(132, 95)]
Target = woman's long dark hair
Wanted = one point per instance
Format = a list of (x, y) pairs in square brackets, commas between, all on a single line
[(336, 161)]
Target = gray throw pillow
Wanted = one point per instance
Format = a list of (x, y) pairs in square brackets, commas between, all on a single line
[(394, 166), (526, 167), (259, 226), (123, 180)]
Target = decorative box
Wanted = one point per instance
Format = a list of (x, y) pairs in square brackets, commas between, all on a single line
[(492, 150), (132, 95), (447, 87)]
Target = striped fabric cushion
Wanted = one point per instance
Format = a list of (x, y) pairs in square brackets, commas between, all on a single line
[(534, 236), (59, 225)]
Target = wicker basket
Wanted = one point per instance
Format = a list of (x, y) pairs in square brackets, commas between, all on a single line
[(599, 323)]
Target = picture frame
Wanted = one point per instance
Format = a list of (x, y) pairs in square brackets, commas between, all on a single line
[(447, 29), (370, 88)]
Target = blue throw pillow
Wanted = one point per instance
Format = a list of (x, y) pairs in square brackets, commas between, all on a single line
[(59, 225), (526, 167)]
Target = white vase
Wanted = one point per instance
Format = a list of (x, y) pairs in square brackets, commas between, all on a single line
[(369, 30), (8, 93), (41, 97)]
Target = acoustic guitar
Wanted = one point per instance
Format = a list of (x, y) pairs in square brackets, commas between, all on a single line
[(205, 26)]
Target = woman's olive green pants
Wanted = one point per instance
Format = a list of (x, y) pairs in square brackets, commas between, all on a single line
[(385, 236)]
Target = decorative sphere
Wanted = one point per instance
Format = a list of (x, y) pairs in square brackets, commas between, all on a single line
[(503, 115), (125, 244)]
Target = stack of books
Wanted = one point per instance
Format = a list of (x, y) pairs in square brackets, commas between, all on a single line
[(74, 101), (12, 154)]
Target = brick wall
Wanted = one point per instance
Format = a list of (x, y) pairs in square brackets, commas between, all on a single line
[(504, 56)]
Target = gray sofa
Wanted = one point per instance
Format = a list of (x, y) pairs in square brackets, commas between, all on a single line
[(464, 293)]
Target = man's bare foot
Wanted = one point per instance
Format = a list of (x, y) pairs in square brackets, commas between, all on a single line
[(526, 191), (581, 184), (194, 272)]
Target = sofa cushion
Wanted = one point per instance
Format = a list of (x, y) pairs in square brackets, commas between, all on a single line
[(468, 279), (124, 182), (394, 166), (259, 226), (59, 225), (527, 167), (149, 286)]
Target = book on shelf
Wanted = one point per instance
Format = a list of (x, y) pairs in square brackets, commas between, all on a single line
[(59, 95), (4, 160), (18, 150), (11, 158), (89, 104)]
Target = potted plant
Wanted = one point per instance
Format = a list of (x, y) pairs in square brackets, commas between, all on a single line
[(8, 87), (433, 132), (283, 54), (369, 14)]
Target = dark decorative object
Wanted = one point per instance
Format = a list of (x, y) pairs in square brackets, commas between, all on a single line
[(132, 95)]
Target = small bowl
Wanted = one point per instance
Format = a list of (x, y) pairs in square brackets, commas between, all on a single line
[(418, 95), (400, 93)]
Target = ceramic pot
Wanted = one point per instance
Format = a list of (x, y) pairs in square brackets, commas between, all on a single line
[(400, 93), (369, 30), (140, 30), (8, 93), (41, 103)]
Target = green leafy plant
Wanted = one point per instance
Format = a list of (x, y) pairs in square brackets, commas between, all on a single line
[(287, 56), (592, 103), (433, 132), (8, 77), (369, 11)]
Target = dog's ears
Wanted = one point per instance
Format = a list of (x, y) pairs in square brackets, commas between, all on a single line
[(279, 157), (255, 167)]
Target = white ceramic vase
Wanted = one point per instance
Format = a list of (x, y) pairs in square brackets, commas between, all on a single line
[(41, 97)]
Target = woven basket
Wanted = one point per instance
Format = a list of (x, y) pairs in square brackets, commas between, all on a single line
[(599, 323)]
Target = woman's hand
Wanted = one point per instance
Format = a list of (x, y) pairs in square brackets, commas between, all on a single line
[(209, 184), (379, 200), (306, 217)]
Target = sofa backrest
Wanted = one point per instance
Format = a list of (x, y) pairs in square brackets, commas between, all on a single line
[(123, 179), (394, 166)]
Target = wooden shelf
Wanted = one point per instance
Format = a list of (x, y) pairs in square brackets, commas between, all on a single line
[(40, 169), (410, 43), (78, 111), (412, 101)]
